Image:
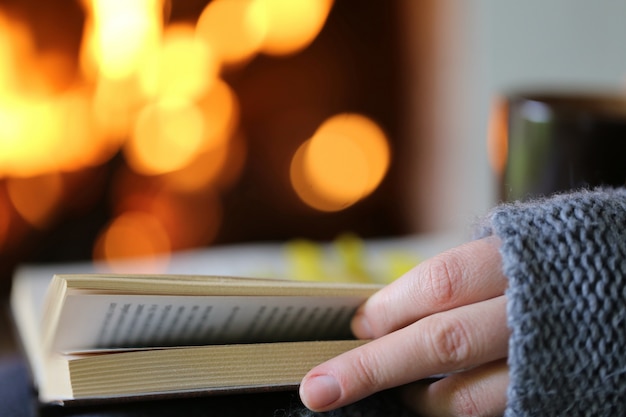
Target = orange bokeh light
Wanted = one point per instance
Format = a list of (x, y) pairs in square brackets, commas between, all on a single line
[(498, 135), (36, 199), (167, 136), (371, 140), (78, 144), (344, 161), (235, 30), (216, 168), (189, 219), (132, 234), (293, 25), (220, 109)]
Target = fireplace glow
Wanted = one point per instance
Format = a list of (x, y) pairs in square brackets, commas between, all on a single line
[(154, 93)]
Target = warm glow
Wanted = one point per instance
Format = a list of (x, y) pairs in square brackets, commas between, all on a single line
[(200, 173), (16, 46), (235, 162), (337, 169), (132, 235), (28, 115), (234, 29), (342, 163), (305, 188), (189, 219), (37, 198), (45, 119), (120, 35), (371, 140), (39, 115), (497, 135), (184, 68), (293, 25), (5, 221), (77, 143), (26, 147), (217, 168), (115, 105), (167, 136), (151, 89), (220, 110)]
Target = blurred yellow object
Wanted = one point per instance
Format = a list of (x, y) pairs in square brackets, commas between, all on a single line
[(345, 259), (351, 256), (305, 260)]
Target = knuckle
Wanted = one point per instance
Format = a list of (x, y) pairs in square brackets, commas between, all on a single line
[(367, 371), (450, 342), (463, 403), (442, 278)]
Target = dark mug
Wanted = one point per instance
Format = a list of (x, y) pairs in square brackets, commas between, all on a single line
[(552, 142)]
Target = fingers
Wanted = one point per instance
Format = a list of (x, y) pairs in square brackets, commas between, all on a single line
[(463, 275), (480, 391), (457, 339)]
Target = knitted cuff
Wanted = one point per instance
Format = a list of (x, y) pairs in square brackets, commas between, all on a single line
[(565, 258)]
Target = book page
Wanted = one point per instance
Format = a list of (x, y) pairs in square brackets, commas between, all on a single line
[(96, 321)]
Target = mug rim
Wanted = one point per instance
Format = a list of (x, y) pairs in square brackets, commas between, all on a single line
[(596, 101)]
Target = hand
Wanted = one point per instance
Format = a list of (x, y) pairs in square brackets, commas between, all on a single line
[(445, 316)]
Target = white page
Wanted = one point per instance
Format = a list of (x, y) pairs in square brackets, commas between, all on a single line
[(97, 321)]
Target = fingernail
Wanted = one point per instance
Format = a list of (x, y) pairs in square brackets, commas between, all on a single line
[(361, 327), (320, 391)]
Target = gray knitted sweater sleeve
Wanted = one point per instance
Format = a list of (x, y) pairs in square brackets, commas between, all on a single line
[(565, 258)]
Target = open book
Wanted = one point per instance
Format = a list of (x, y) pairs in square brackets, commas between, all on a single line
[(97, 337)]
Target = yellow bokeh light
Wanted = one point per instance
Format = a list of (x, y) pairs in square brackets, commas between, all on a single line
[(167, 136), (63, 128), (234, 29), (25, 147), (184, 68), (120, 35), (132, 234), (344, 161), (293, 25), (37, 198)]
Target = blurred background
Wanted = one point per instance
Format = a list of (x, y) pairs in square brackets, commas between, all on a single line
[(141, 128)]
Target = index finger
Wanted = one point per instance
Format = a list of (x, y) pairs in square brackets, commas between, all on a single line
[(459, 339), (463, 275)]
